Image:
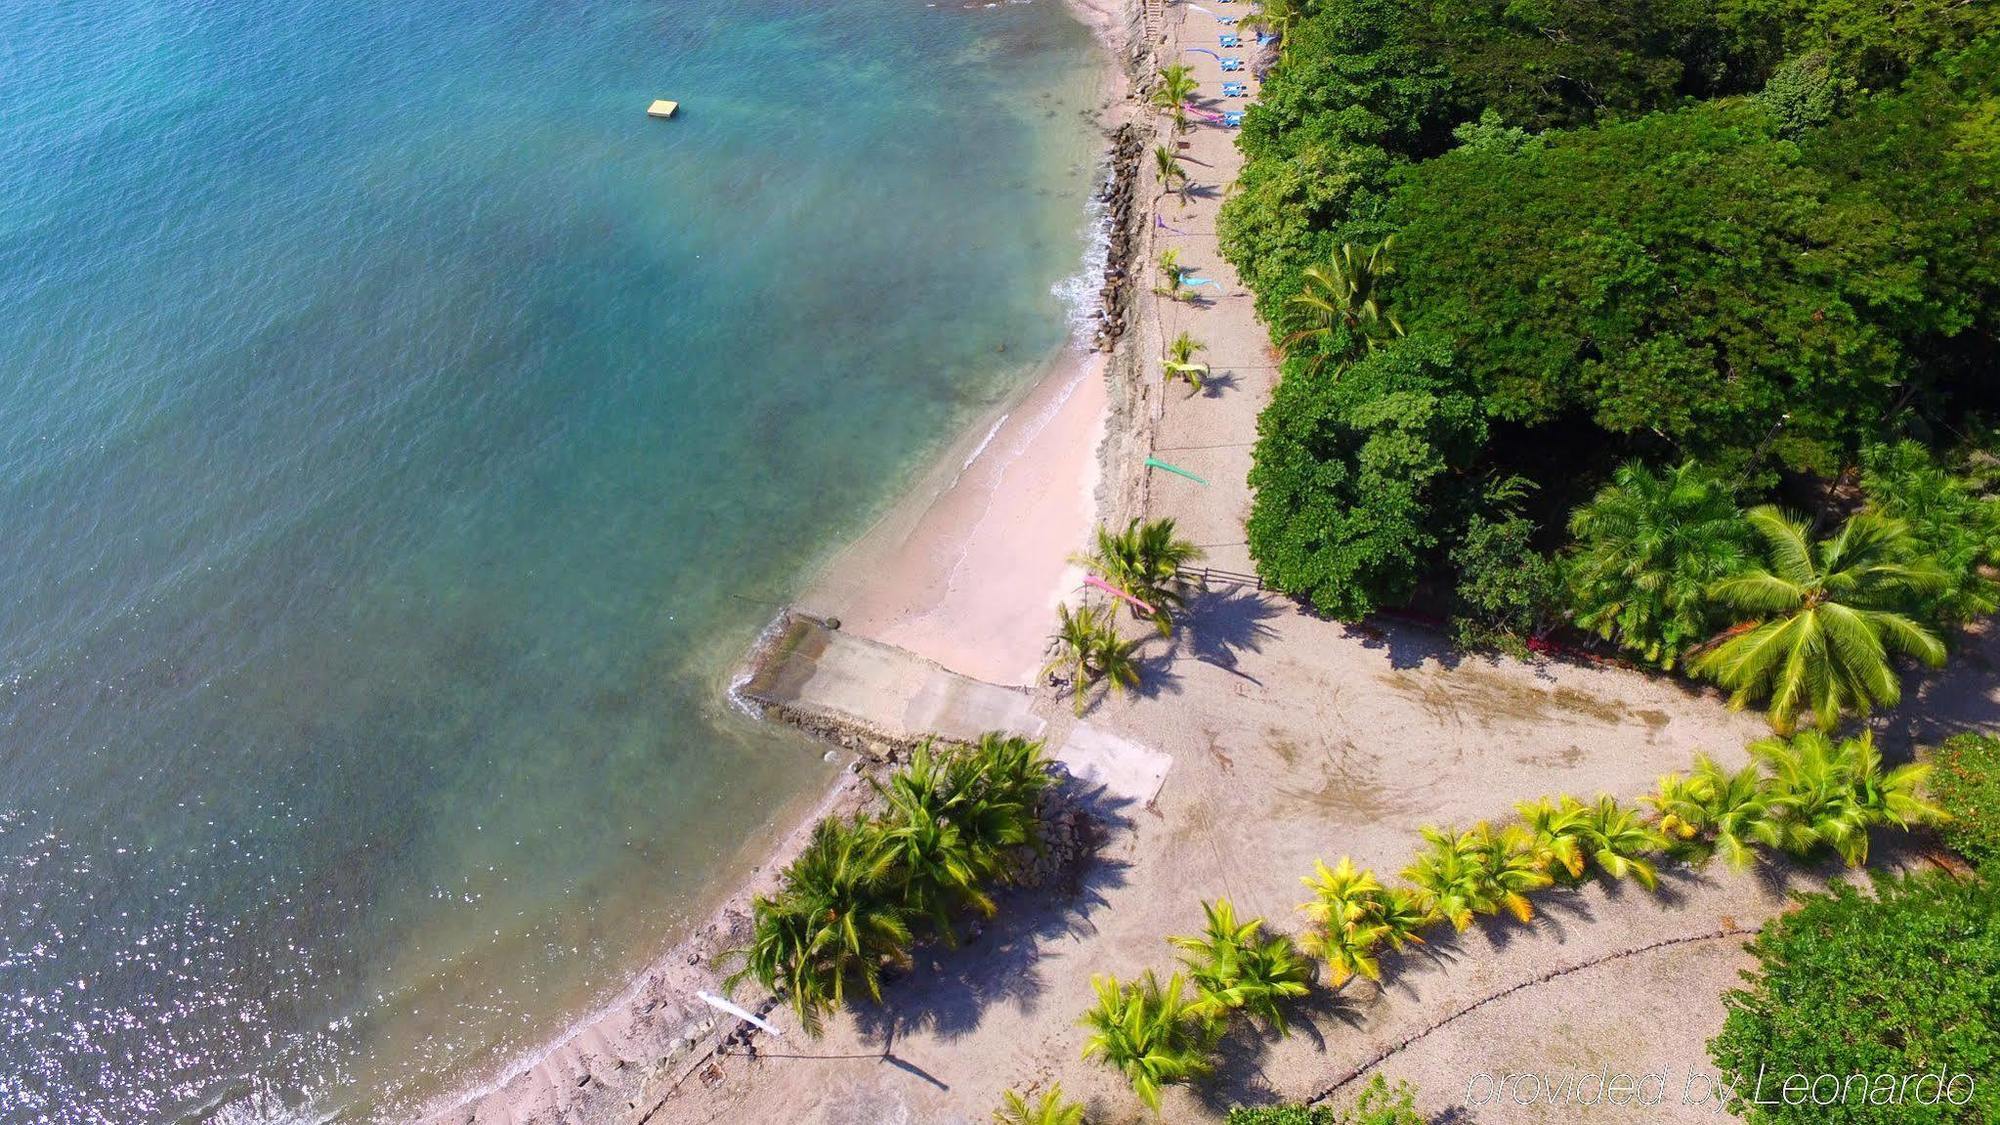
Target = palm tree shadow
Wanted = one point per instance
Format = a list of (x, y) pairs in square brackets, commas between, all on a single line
[(1407, 645), (1223, 625), (948, 991), (1937, 704), (1213, 385)]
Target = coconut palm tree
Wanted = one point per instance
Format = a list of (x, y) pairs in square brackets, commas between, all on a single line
[(1354, 915), (1649, 546), (1153, 1035), (1235, 968), (1180, 363), (1173, 271), (835, 919), (1176, 86), (1715, 811), (997, 788), (1832, 793), (938, 867), (1168, 169), (1049, 1109), (1822, 619), (1089, 649), (1274, 17), (1478, 871), (1341, 297), (1144, 561), (1621, 844)]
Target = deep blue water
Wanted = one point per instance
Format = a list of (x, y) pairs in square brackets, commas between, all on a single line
[(400, 437)]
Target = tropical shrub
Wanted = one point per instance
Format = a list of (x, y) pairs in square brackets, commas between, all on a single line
[(1648, 547), (1508, 593), (1965, 783), (1713, 811), (1236, 968), (1822, 621), (1949, 525), (1051, 1108), (1152, 1034), (1378, 1104), (1902, 982), (1478, 871), (1565, 832)]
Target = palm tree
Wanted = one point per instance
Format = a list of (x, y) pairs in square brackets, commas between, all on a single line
[(1478, 871), (1833, 793), (1822, 619), (1049, 1109), (1235, 968), (940, 869), (835, 918), (1173, 271), (1274, 16), (1088, 647), (1715, 811), (1565, 832), (1176, 86), (1649, 546), (1354, 915), (1340, 297), (1167, 167), (1151, 1034), (997, 788), (1144, 561), (1180, 363)]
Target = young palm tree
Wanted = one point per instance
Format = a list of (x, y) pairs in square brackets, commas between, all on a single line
[(1049, 1109), (1557, 829), (1088, 647), (1354, 915), (939, 868), (1822, 619), (1478, 871), (835, 918), (1151, 1034), (997, 788), (1833, 793), (1714, 811), (1145, 562), (1180, 363), (1274, 17), (1177, 85), (1621, 844), (1235, 968), (1173, 271), (1341, 296), (1649, 546), (1167, 167)]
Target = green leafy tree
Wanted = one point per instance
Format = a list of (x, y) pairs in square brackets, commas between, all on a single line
[(1089, 649), (1508, 593), (1648, 548), (1347, 473), (1236, 968), (1903, 981), (835, 920), (1145, 560), (1965, 783), (1821, 620), (1051, 1108), (1154, 1035), (1180, 362), (1829, 793)]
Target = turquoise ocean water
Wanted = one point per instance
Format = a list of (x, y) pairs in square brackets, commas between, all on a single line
[(400, 438)]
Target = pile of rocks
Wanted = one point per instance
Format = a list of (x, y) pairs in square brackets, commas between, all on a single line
[(1070, 836), (1127, 145)]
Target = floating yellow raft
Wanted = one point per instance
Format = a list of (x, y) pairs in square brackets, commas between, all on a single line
[(662, 108)]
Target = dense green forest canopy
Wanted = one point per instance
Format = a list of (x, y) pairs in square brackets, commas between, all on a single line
[(1748, 241)]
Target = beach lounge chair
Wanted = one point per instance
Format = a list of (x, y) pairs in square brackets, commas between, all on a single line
[(1232, 120), (1234, 90), (1226, 21), (1231, 41), (1232, 64)]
